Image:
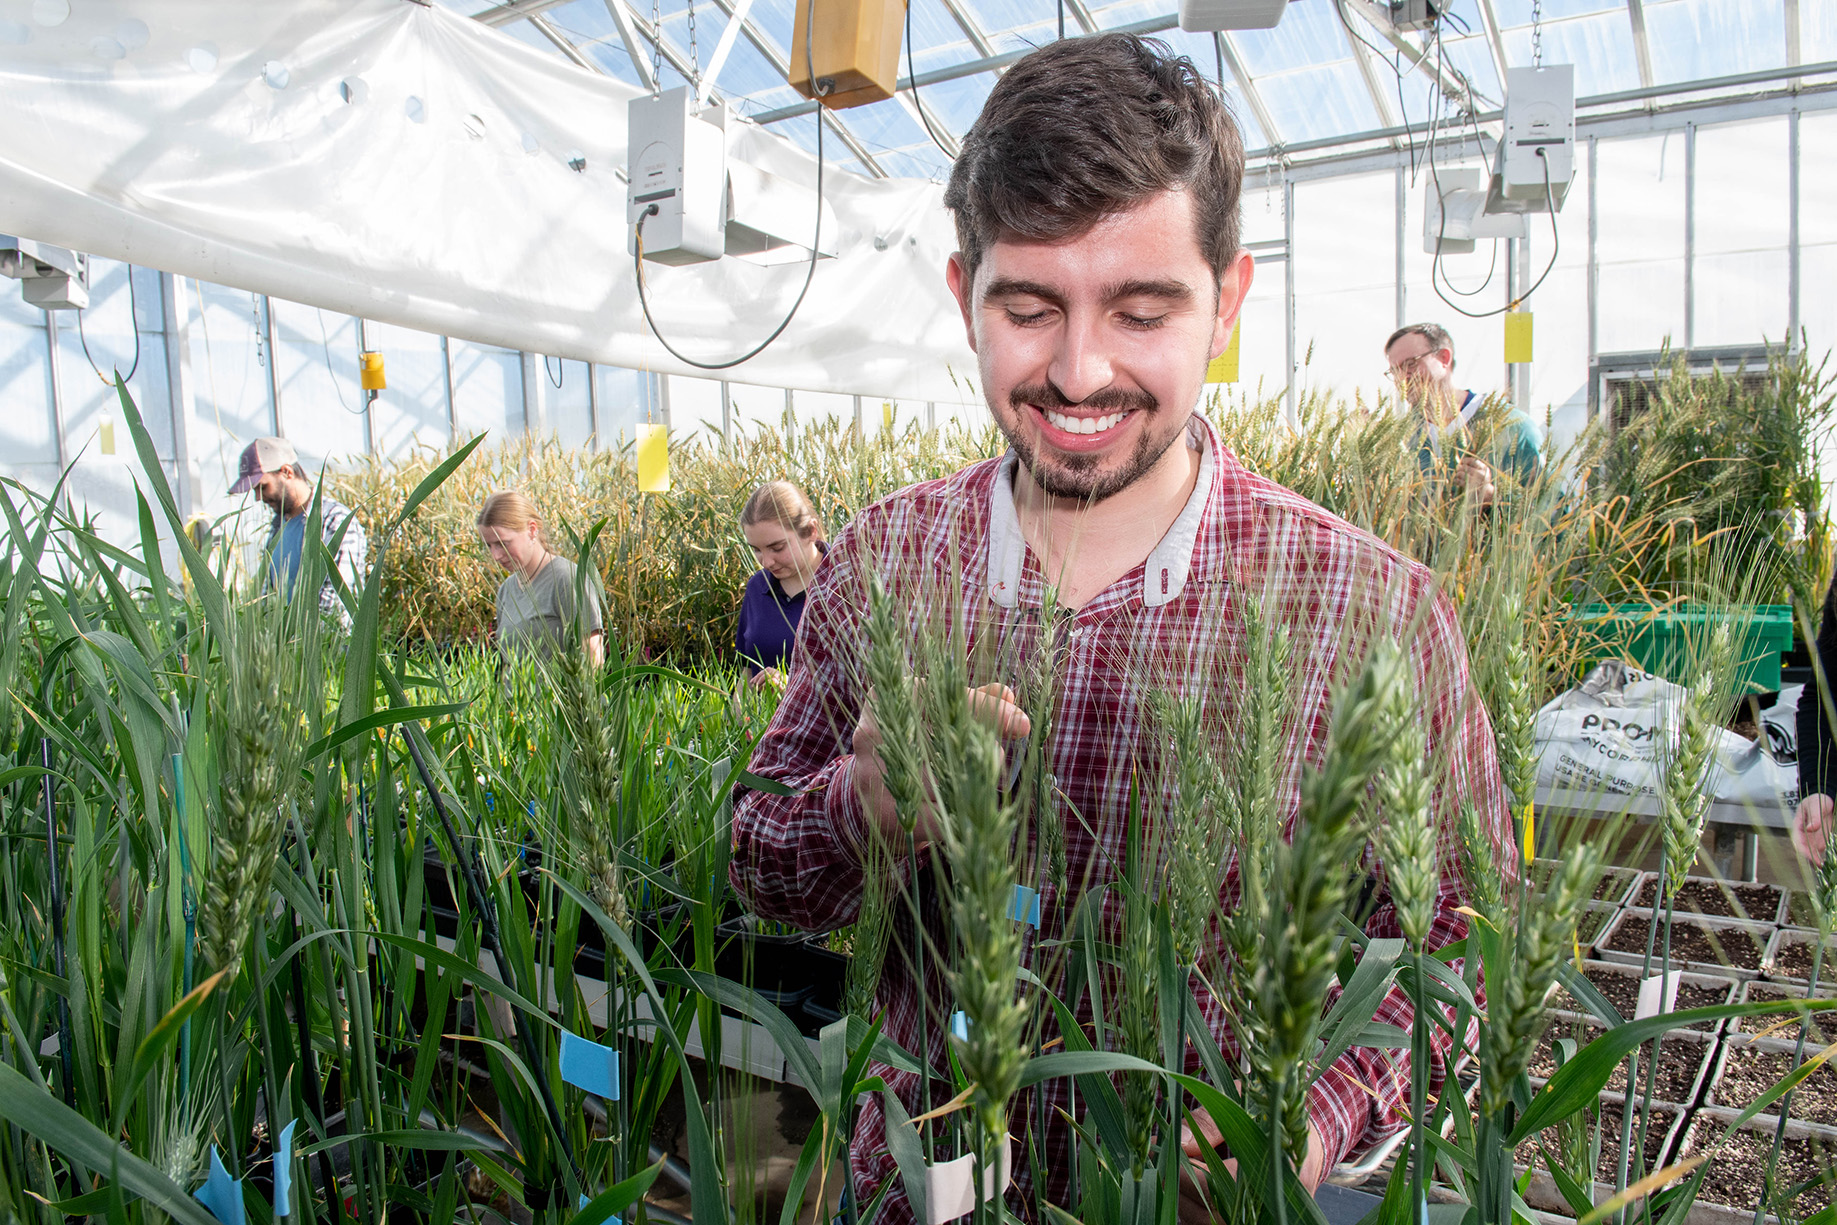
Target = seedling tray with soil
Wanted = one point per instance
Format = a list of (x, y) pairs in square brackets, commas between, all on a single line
[(1612, 888), (1661, 1132), (1748, 1067), (1823, 1025), (1620, 984), (1593, 922), (1683, 1059), (1705, 946), (1798, 910), (1736, 1179), (1791, 956), (1705, 895)]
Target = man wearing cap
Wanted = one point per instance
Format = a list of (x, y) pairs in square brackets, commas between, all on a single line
[(271, 467)]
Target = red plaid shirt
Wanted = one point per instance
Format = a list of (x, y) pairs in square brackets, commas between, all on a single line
[(1171, 622)]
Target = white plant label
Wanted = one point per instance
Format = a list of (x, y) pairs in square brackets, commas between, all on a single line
[(1658, 994), (948, 1190)]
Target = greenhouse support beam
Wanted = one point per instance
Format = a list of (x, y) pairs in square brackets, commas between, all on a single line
[(1403, 213), (634, 48), (1495, 41), (722, 49), (956, 72), (1792, 231), (274, 375), (57, 389), (972, 30), (1450, 83), (1247, 86), (514, 10), (1793, 50), (1690, 236), (452, 409), (1593, 282), (1081, 13), (363, 346), (1642, 46), (1368, 70), (563, 44), (1288, 295), (175, 334)]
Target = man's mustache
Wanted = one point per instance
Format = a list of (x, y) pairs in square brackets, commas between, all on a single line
[(1105, 399)]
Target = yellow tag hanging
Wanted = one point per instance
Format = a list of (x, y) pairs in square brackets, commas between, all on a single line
[(1530, 833), (1517, 337), (108, 438), (1223, 368), (653, 459), (886, 415)]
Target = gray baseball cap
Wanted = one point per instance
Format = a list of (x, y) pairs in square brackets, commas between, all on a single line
[(261, 457)]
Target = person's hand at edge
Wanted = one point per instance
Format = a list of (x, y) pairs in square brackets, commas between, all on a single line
[(1193, 1206), (997, 703), (1811, 827)]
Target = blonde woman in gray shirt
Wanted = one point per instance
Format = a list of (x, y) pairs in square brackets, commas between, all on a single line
[(536, 602)]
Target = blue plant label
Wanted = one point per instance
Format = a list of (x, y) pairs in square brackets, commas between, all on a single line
[(283, 1171), (959, 1026), (590, 1066), (221, 1193), (584, 1201), (1026, 908)]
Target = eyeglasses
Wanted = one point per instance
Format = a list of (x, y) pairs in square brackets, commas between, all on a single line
[(1409, 367)]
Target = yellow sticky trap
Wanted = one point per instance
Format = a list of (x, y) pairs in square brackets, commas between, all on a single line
[(886, 415), (1517, 337), (1223, 368), (1530, 833), (370, 372), (653, 459), (108, 438)]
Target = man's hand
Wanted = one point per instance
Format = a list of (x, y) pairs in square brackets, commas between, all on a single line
[(1193, 1208), (1475, 476), (767, 676), (994, 703), (1811, 827)]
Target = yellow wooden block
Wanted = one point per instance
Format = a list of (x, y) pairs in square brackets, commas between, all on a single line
[(1223, 368), (653, 459), (1517, 337), (855, 45)]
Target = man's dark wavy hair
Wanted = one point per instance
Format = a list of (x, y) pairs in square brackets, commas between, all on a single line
[(1086, 128)]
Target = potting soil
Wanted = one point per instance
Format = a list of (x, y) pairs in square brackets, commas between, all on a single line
[(1736, 1175), (1621, 987), (1708, 897), (1822, 1031), (1679, 1062), (1747, 1073), (1691, 942), (1795, 957)]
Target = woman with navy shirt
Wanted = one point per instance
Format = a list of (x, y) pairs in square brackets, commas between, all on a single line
[(787, 538)]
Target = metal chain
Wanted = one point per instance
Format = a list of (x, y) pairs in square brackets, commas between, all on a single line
[(695, 59), (1537, 33), (656, 47)]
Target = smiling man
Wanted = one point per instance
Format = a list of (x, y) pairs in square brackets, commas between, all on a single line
[(1098, 271)]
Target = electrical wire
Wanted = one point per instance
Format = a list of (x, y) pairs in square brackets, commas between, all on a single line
[(133, 326), (821, 89), (1391, 62), (1556, 247), (1437, 276), (561, 368), (912, 76), (325, 346)]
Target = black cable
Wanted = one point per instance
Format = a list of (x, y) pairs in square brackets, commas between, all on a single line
[(1556, 247), (821, 88), (559, 365), (1437, 277), (133, 326), (912, 76)]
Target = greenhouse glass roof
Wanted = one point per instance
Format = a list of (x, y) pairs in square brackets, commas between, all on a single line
[(1331, 75)]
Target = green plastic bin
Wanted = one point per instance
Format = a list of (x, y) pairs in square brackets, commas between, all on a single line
[(1657, 639)]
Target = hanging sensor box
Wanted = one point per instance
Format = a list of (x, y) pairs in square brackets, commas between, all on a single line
[(51, 278), (1536, 159), (1455, 216), (855, 44), (1408, 16), (1201, 15), (679, 169)]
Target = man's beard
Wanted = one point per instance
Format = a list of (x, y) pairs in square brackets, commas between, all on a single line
[(1075, 475)]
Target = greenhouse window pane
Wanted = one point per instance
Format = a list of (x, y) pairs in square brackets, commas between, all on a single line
[(582, 20), (1693, 40), (1519, 12), (1600, 47), (1317, 103), (1309, 34), (1817, 33)]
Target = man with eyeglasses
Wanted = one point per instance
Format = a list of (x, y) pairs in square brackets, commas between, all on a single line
[(1421, 357)]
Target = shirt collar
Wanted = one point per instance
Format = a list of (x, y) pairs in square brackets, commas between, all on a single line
[(1168, 565)]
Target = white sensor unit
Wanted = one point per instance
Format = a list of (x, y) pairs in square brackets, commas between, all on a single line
[(771, 220), (1455, 218), (1408, 16), (52, 278), (1536, 159), (678, 183), (1200, 15)]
